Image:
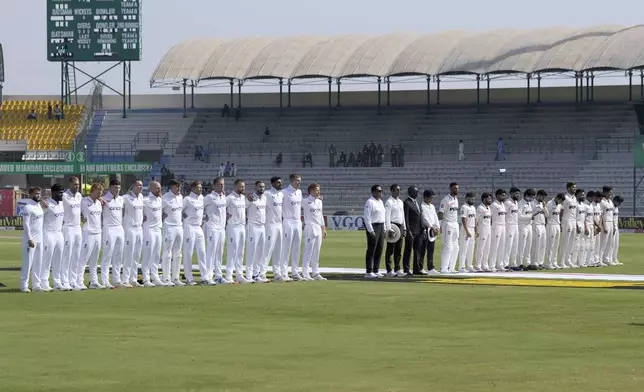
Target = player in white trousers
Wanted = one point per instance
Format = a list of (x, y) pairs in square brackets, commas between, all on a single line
[(497, 242), (256, 233), (274, 232), (92, 211), (236, 233), (215, 231), (568, 218), (525, 231), (72, 234), (113, 236), (597, 209), (193, 236), (587, 257), (581, 232), (483, 230), (539, 235), (448, 217), (617, 201), (32, 236), (133, 228), (467, 235), (172, 234), (152, 236), (553, 231), (512, 229), (314, 233), (292, 224), (53, 241), (608, 227)]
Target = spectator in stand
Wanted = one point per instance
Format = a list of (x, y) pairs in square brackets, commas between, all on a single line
[(32, 115), (197, 153), (227, 171), (58, 114), (359, 159), (401, 156), (500, 150), (278, 160), (373, 151), (237, 114), (225, 111), (352, 160), (233, 170), (307, 158), (267, 133), (394, 156), (50, 111), (332, 153), (342, 162), (380, 155), (222, 169), (461, 151)]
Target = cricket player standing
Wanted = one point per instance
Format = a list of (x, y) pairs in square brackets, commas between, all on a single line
[(133, 227), (292, 212), (172, 234), (608, 226), (568, 225), (113, 235), (512, 229), (539, 216), (553, 231), (448, 215), (483, 231), (525, 231), (274, 232), (73, 237), (32, 236), (194, 239), (617, 201), (581, 232), (92, 210), (215, 213), (152, 236), (256, 234), (597, 209), (53, 243), (236, 233), (314, 233), (588, 258), (468, 231), (497, 243)]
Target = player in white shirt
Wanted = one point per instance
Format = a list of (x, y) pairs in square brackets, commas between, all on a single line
[(172, 234), (539, 236), (236, 233), (152, 236), (467, 235), (512, 229), (133, 228), (374, 223), (92, 210), (429, 219), (292, 213), (32, 236), (215, 215), (597, 209), (568, 218), (448, 216), (72, 234), (608, 227), (314, 233), (525, 231), (587, 257), (553, 231), (113, 235), (483, 230), (497, 242), (193, 236), (274, 233), (256, 233), (617, 201), (581, 232), (394, 216), (53, 242)]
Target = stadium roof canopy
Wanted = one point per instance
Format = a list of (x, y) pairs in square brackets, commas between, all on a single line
[(557, 49)]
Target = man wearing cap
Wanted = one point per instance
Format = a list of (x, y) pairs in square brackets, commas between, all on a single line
[(448, 215), (414, 237), (374, 222), (512, 229), (394, 216), (432, 226)]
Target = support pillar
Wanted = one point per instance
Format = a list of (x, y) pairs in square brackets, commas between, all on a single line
[(192, 94), (528, 76), (576, 88), (339, 83), (641, 86), (438, 90), (125, 89), (592, 86), (538, 88), (185, 100), (239, 97), (281, 95), (330, 92), (487, 89), (232, 93), (587, 86), (388, 91), (288, 103), (379, 92), (630, 85), (429, 96), (478, 92)]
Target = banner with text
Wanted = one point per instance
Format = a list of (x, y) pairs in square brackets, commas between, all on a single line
[(7, 202), (346, 222), (74, 168), (11, 223)]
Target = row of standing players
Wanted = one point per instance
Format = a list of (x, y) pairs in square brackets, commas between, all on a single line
[(265, 225), (573, 230)]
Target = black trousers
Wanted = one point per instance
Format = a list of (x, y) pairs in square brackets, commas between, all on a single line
[(412, 243), (374, 247), (427, 248), (394, 249)]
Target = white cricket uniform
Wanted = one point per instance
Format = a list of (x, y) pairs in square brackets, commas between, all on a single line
[(172, 235), (292, 242), (92, 210), (133, 228), (587, 258), (568, 218), (152, 237), (449, 229), (32, 223), (539, 232), (497, 243), (274, 233), (255, 236), (525, 233), (71, 260), (553, 233), (597, 210), (54, 242), (313, 229), (608, 229), (511, 233), (215, 211), (113, 238), (484, 230), (466, 246), (236, 234), (193, 236), (580, 236), (615, 243)]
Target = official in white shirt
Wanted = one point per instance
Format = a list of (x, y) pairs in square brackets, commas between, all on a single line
[(152, 236), (394, 216), (236, 233), (512, 229), (256, 233), (53, 242), (581, 231), (72, 234), (113, 235), (483, 230), (617, 201), (467, 235), (292, 213), (274, 232), (448, 215), (568, 218), (553, 231), (314, 233), (374, 221), (539, 235), (32, 236), (172, 234), (92, 210), (215, 214), (133, 228), (497, 242), (193, 236), (608, 227), (525, 216), (430, 221)]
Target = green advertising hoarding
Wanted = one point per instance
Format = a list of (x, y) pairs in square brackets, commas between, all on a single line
[(52, 168), (638, 151)]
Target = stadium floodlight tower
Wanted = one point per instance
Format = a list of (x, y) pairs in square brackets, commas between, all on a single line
[(81, 31), (1, 73)]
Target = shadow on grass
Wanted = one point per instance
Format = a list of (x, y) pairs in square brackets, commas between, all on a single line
[(637, 324)]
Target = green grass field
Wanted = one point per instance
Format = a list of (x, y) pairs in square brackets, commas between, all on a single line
[(324, 336)]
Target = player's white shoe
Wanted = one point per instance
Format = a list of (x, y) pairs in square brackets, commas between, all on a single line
[(37, 289), (319, 277), (307, 278), (136, 284), (242, 280), (67, 287), (96, 286), (178, 283), (108, 285), (370, 275), (25, 290), (148, 284), (258, 279)]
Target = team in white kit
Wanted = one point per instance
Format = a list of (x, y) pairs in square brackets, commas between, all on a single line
[(158, 231)]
